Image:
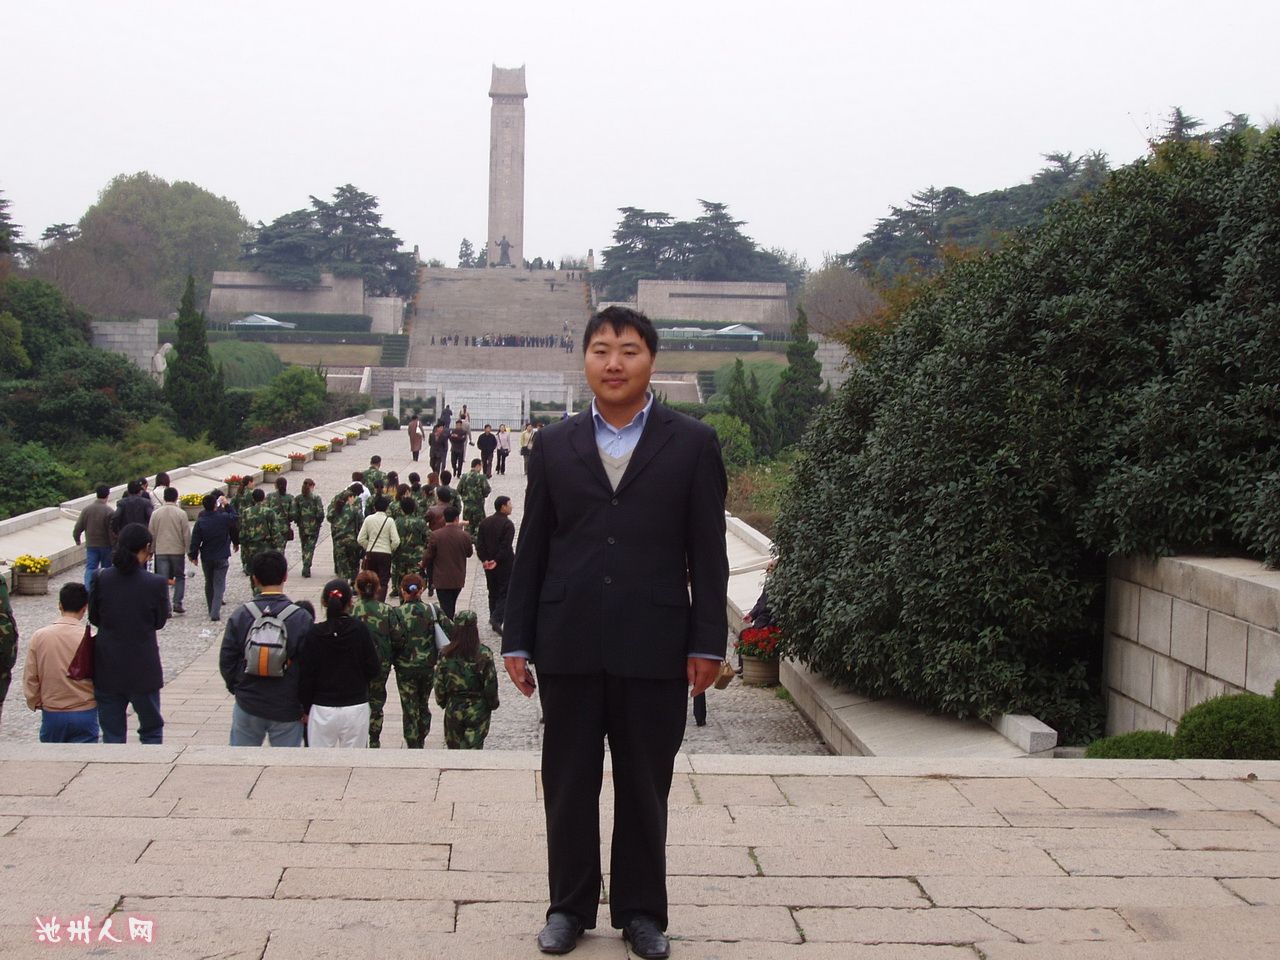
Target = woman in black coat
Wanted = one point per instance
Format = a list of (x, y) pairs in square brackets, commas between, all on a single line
[(128, 605)]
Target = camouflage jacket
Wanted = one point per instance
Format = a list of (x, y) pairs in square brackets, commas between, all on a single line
[(343, 518), (242, 501), (413, 638), (372, 475), (308, 513), (394, 510), (473, 488), (378, 617), (476, 679), (282, 504), (8, 631), (413, 540), (261, 528)]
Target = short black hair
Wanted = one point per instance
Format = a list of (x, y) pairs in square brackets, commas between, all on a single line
[(451, 513), (258, 495), (408, 505), (500, 502), (444, 494), (170, 494), (356, 488), (133, 488), (475, 463), (73, 597), (209, 501), (282, 484), (162, 480), (269, 568), (380, 504), (414, 478), (619, 319), (375, 459), (103, 491)]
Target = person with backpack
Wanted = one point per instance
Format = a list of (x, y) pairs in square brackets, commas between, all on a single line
[(377, 617), (262, 648), (340, 662)]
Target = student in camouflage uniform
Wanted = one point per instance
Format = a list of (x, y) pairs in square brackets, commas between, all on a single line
[(413, 541), (373, 475), (345, 516), (413, 642), (243, 500), (281, 501), (8, 642), (466, 685), (394, 510), (377, 617), (422, 496), (473, 488), (260, 530), (308, 515)]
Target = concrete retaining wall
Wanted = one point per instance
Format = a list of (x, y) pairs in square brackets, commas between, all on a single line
[(749, 303), (1180, 630), (136, 339)]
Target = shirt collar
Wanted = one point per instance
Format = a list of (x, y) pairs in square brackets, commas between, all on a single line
[(638, 421)]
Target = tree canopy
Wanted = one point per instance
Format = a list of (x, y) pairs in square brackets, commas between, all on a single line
[(649, 245), (344, 236), (132, 251), (1105, 384)]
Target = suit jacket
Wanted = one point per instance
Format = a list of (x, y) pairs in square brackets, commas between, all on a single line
[(446, 555), (630, 581)]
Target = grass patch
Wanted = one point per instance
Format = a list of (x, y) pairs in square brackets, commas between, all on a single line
[(247, 365), (330, 355), (691, 361)]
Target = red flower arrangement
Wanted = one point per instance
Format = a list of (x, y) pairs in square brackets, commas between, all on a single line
[(235, 479), (297, 456), (759, 642)]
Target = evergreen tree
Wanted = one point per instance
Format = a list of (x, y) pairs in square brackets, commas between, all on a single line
[(799, 392), (466, 254), (745, 402), (189, 383)]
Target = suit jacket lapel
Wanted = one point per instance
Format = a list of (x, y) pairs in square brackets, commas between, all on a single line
[(657, 431), (583, 441)]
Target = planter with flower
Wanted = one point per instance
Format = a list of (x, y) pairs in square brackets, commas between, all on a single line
[(31, 575), (296, 460), (759, 649), (375, 428), (270, 471), (234, 483), (320, 451), (364, 433), (353, 436), (337, 443), (191, 504)]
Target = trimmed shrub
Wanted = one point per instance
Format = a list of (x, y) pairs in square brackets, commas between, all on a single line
[(1106, 384), (1138, 745), (1240, 726), (389, 422)]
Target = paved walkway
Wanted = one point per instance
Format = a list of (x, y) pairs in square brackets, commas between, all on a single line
[(268, 855), (197, 708)]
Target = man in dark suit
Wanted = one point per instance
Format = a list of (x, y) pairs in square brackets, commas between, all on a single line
[(618, 597)]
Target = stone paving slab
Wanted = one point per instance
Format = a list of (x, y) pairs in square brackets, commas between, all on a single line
[(280, 859)]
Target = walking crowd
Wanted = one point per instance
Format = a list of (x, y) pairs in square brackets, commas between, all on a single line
[(298, 677)]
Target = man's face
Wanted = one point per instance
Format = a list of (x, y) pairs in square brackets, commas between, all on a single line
[(619, 366)]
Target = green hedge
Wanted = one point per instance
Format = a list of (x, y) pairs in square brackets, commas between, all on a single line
[(353, 322), (1138, 745), (308, 336), (1107, 384)]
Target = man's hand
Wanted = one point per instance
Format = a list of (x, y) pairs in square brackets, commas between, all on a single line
[(490, 564), (520, 674), (702, 673)]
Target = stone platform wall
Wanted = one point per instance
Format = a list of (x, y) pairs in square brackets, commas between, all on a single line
[(1180, 630), (136, 339), (718, 302)]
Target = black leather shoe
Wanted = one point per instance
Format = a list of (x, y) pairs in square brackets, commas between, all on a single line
[(646, 939), (561, 933)]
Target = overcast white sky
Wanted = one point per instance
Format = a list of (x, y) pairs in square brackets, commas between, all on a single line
[(808, 118)]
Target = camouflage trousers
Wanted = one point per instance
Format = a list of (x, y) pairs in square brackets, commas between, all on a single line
[(466, 722), (377, 701), (415, 701), (346, 559), (308, 551), (247, 552)]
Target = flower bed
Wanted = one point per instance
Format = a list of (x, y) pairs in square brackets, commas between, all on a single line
[(27, 563), (758, 642)]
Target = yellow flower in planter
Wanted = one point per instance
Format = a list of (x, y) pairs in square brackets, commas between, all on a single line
[(321, 448), (272, 467), (191, 499), (353, 434), (26, 563)]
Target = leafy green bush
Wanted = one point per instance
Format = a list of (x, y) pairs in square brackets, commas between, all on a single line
[(1104, 385), (735, 439), (1138, 745), (145, 449), (245, 364), (389, 422), (32, 478), (1240, 726)]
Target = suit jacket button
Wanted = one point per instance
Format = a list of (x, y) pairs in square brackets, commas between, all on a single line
[(614, 501), (608, 580), (612, 541)]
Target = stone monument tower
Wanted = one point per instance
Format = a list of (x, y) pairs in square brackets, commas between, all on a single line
[(506, 167)]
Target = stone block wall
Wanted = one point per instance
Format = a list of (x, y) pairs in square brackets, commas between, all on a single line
[(135, 339), (1180, 630), (237, 293), (717, 302)]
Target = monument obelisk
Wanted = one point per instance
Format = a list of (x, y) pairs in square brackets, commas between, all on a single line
[(506, 167)]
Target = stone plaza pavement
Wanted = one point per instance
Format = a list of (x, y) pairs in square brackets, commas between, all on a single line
[(260, 853)]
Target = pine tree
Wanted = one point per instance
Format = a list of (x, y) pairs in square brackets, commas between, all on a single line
[(799, 392), (190, 386)]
